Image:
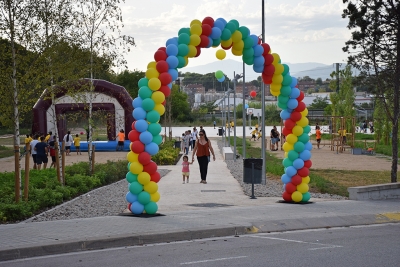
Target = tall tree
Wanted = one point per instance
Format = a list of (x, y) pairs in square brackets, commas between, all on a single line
[(375, 51)]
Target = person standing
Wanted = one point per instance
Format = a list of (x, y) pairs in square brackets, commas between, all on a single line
[(41, 153), (215, 123), (52, 154), (194, 137), (77, 144), (318, 136), (185, 169), (186, 142), (274, 138), (121, 140), (33, 151), (202, 150), (68, 142)]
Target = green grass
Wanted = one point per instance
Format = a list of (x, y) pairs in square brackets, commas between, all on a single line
[(6, 152)]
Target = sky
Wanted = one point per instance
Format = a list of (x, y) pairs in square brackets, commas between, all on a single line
[(299, 31)]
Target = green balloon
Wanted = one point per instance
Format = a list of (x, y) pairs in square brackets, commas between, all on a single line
[(304, 138), (183, 50), (245, 32), (234, 21), (143, 198), (283, 99), (219, 74), (157, 139), (184, 30), (307, 129), (292, 155), (153, 116), (286, 90), (154, 128), (143, 82), (130, 177), (248, 52), (145, 92), (148, 104), (287, 79), (248, 60), (298, 147), (287, 162), (282, 105), (231, 27), (306, 197), (248, 42), (129, 166), (216, 42), (285, 69), (184, 38), (181, 61), (151, 207), (226, 34), (135, 188)]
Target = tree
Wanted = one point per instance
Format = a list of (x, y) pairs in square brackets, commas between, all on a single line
[(318, 81), (319, 103), (129, 80), (208, 107), (180, 109), (375, 51)]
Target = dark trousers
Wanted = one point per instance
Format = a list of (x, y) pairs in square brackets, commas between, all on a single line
[(193, 144), (203, 165)]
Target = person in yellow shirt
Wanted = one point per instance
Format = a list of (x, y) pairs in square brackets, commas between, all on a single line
[(259, 135), (46, 139), (232, 124), (342, 133), (28, 140), (253, 134), (77, 144)]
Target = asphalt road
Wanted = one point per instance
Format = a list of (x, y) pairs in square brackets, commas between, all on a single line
[(376, 245)]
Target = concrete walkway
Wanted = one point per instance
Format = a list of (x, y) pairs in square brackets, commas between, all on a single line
[(190, 211)]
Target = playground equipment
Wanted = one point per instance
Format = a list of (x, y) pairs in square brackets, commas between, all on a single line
[(338, 140)]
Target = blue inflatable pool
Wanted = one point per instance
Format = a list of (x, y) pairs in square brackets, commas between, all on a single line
[(102, 146)]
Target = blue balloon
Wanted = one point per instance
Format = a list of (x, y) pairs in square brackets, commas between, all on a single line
[(210, 42), (220, 25), (258, 50), (169, 85), (259, 61), (145, 137), (151, 148), (285, 179), (173, 73), (139, 113), (137, 102), (291, 171), (173, 41), (172, 50), (141, 125), (294, 82), (246, 106), (305, 155), (173, 62), (292, 103), (258, 69), (255, 39), (285, 114), (221, 79), (308, 146), (299, 163), (215, 33), (137, 208), (130, 197), (295, 93)]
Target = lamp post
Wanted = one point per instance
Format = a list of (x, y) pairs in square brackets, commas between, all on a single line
[(263, 177), (237, 77)]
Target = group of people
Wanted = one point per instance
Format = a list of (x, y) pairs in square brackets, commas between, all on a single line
[(364, 125), (201, 146), (40, 146)]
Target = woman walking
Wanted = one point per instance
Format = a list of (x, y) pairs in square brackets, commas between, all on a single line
[(202, 150)]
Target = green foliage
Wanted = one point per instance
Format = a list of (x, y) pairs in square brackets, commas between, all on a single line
[(179, 105), (319, 103), (129, 80), (167, 155), (6, 152)]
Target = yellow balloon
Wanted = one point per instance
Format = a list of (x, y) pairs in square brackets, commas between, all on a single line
[(238, 45), (303, 122), (144, 178), (304, 113), (276, 90), (237, 36), (132, 156), (306, 180), (152, 65), (275, 93), (297, 196), (136, 167), (302, 188), (276, 58), (286, 154), (278, 69), (194, 40), (155, 197), (151, 187), (220, 54), (158, 97), (277, 78), (287, 147), (196, 29), (192, 51), (275, 86), (152, 73), (297, 130), (154, 84), (194, 22), (226, 43), (160, 109), (237, 52), (291, 138)]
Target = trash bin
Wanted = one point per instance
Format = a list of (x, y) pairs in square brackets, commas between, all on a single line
[(220, 131), (178, 144), (247, 165)]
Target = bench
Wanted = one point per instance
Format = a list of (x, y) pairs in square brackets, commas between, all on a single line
[(375, 192), (227, 152)]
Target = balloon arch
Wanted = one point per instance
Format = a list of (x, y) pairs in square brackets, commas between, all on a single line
[(156, 86)]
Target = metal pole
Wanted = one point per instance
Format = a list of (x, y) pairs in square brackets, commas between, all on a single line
[(244, 120), (229, 119), (263, 177), (234, 117), (223, 121)]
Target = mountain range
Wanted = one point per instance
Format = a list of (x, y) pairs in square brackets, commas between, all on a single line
[(312, 69)]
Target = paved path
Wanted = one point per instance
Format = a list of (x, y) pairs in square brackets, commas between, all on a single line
[(190, 211)]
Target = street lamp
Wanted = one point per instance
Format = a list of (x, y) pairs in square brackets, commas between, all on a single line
[(235, 80)]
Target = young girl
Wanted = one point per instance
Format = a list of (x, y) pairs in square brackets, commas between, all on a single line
[(77, 144), (185, 169)]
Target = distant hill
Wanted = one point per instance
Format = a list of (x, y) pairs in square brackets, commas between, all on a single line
[(228, 66)]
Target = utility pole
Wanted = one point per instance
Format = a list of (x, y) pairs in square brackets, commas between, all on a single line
[(337, 77), (263, 177)]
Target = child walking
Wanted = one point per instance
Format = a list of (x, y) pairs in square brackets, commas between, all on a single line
[(77, 144), (185, 169)]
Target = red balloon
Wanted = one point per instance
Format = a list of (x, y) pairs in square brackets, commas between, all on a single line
[(129, 206), (300, 107), (303, 172), (289, 124), (162, 66), (269, 69), (267, 79), (155, 177), (253, 93), (259, 40), (307, 164), (208, 21), (268, 59), (137, 147), (144, 158), (133, 125), (206, 29), (150, 168), (296, 180), (204, 41), (266, 51), (165, 90), (163, 48), (133, 135), (301, 96), (226, 48), (198, 51), (286, 196), (295, 116), (165, 78), (290, 188), (164, 102), (160, 55), (286, 131)]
